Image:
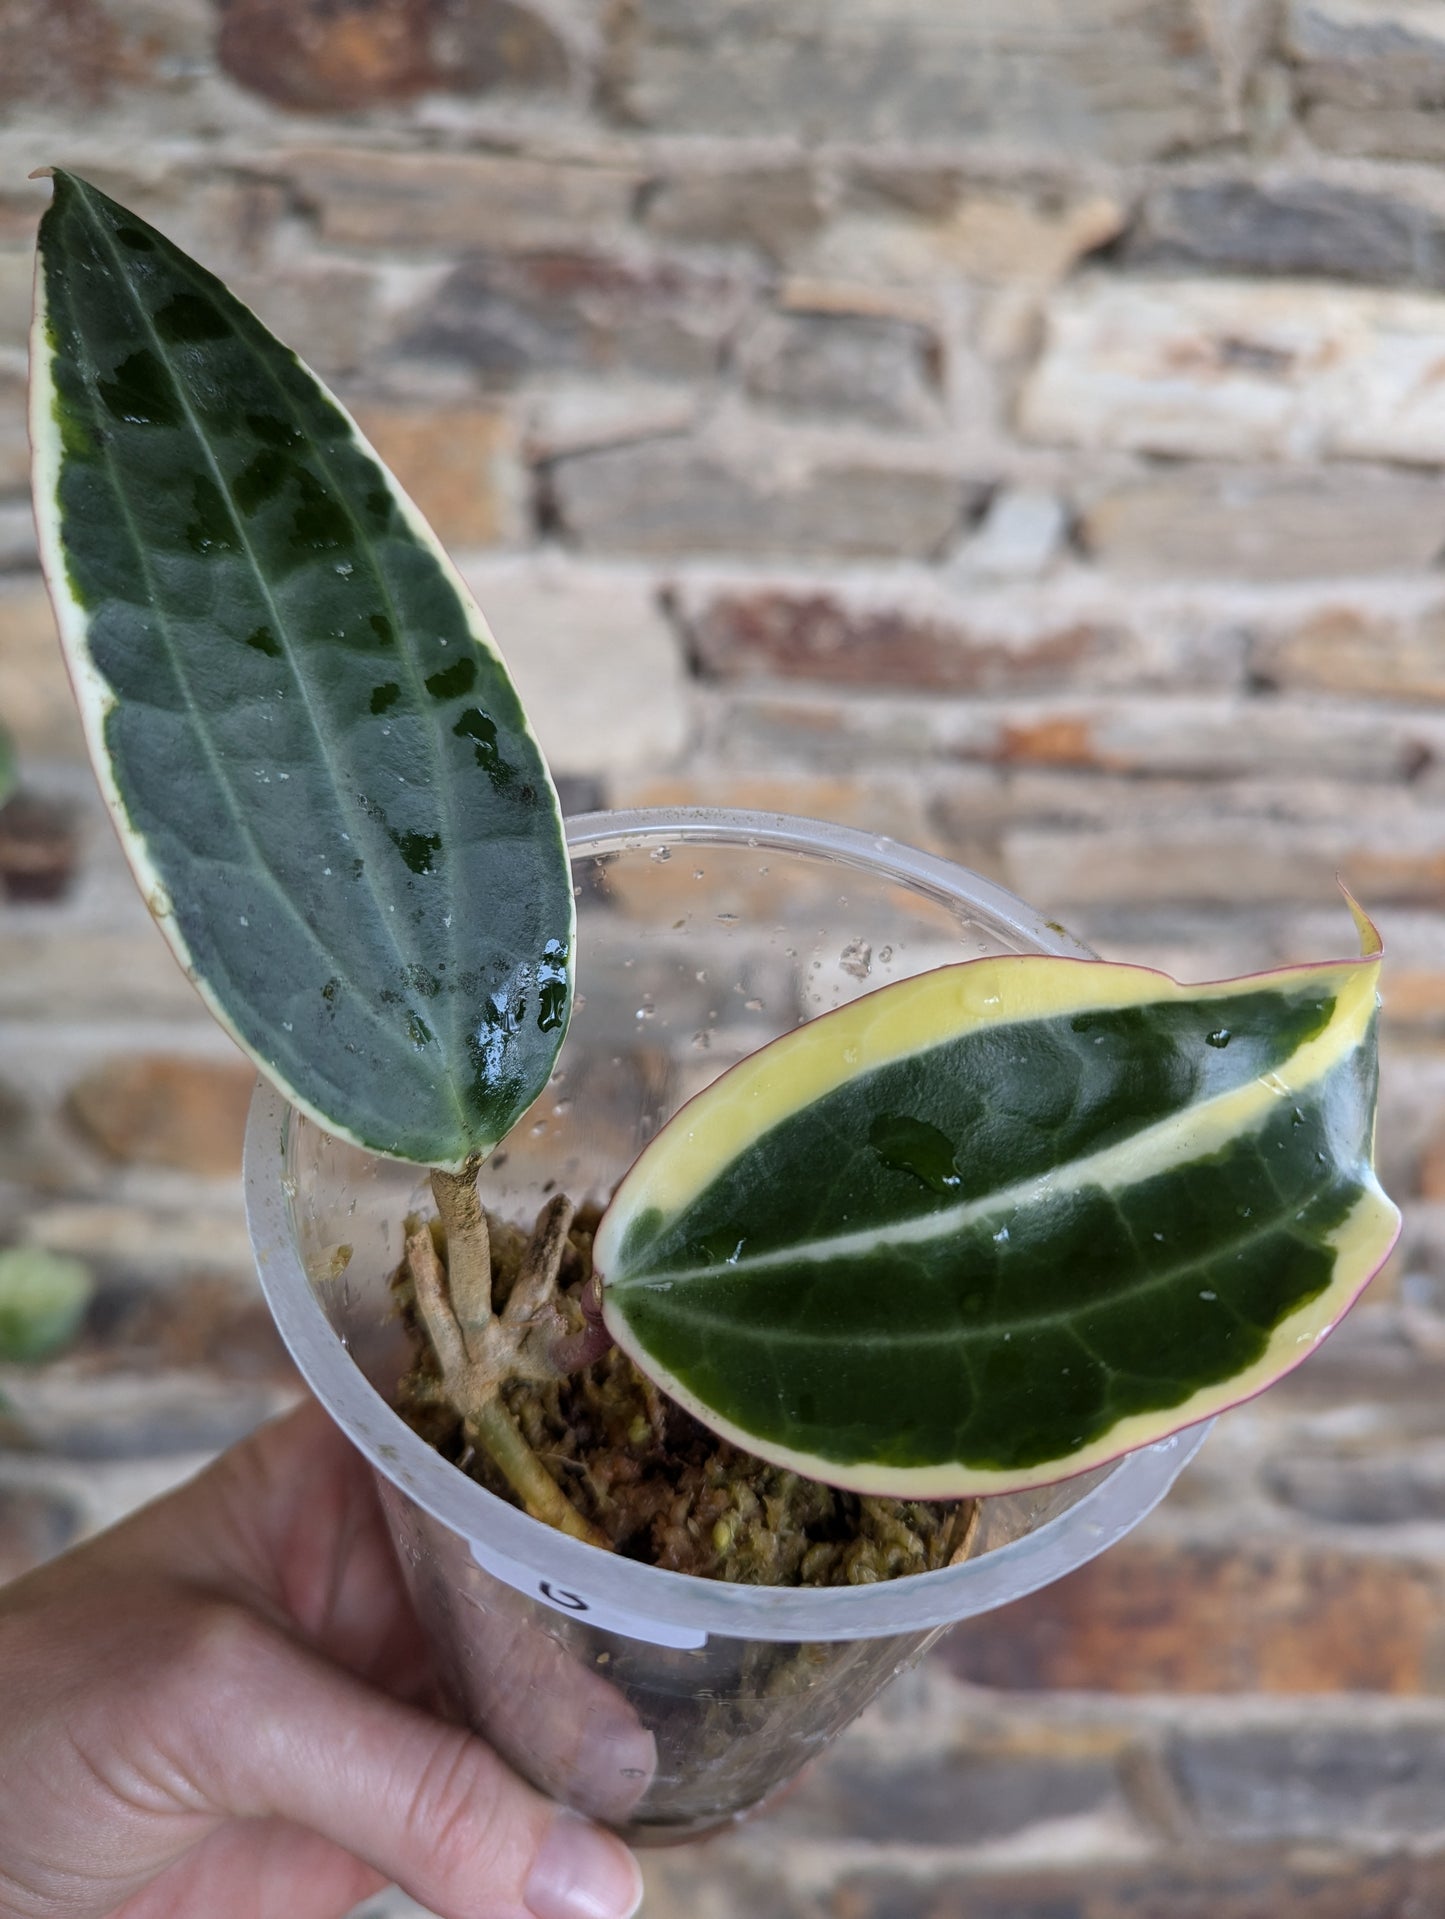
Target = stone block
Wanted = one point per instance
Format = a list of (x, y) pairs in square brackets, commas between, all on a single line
[(970, 1794), (149, 1241), (1157, 841), (1203, 1883), (901, 223), (1235, 370), (503, 319), (595, 661), (68, 55), (35, 698), (1117, 79), (17, 279), (327, 310), (771, 211), (123, 972), (1265, 524), (886, 372), (1299, 227), (19, 552), (318, 58), (1254, 1615), (1355, 1487), (669, 497), (1351, 648), (498, 201), (1370, 75), (1220, 862), (75, 1414), (20, 209), (578, 414), (1018, 538), (166, 1110), (787, 633), (14, 435), (1396, 133), (1194, 737), (460, 464), (1325, 1782)]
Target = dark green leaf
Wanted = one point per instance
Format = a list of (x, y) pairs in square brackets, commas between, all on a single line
[(319, 766)]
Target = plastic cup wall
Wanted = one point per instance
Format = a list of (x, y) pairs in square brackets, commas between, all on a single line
[(661, 1705)]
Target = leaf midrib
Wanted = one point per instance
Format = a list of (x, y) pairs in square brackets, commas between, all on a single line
[(1063, 1316)]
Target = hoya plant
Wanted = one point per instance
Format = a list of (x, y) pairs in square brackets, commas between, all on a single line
[(1067, 1207)]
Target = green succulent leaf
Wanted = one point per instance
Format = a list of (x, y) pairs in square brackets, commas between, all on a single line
[(319, 766), (992, 1226), (7, 767), (43, 1297)]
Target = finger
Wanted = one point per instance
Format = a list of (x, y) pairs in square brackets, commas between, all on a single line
[(257, 1869), (423, 1802)]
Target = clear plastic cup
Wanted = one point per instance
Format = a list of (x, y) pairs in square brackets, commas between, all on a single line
[(662, 1705)]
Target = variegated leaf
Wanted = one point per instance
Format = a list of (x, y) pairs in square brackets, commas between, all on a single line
[(994, 1225)]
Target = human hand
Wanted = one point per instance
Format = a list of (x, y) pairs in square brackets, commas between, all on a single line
[(212, 1709)]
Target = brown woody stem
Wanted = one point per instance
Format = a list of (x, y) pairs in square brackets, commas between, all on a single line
[(469, 1247), (430, 1286), (535, 1290), (474, 1370)]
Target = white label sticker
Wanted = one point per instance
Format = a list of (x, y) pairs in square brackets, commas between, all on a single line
[(565, 1599)]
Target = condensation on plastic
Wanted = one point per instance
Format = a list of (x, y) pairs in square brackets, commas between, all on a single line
[(661, 1705)]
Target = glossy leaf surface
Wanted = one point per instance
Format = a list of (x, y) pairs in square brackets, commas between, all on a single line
[(997, 1224), (319, 766)]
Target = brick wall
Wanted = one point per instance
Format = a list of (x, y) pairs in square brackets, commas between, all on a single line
[(1014, 427)]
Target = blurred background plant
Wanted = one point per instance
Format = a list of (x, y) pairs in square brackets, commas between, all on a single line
[(43, 1297)]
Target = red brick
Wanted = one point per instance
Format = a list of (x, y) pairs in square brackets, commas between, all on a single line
[(1255, 1617), (1059, 739), (816, 636), (328, 57), (166, 1110), (65, 51), (38, 846)]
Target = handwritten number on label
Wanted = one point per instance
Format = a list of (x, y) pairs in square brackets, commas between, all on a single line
[(559, 1596)]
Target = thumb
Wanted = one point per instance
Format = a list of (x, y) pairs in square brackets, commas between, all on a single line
[(421, 1801)]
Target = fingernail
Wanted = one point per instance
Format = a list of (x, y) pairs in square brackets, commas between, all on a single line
[(582, 1873)]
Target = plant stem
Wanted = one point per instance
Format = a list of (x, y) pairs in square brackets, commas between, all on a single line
[(473, 1374), (469, 1248), (430, 1286), (535, 1288), (493, 1428)]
